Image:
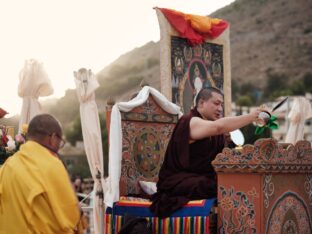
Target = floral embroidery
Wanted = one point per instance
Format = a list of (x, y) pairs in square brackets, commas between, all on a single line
[(237, 210), (226, 203)]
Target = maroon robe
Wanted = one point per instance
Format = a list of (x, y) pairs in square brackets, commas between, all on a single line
[(187, 173)]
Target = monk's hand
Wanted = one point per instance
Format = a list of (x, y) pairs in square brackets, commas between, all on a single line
[(265, 120), (261, 115), (255, 113)]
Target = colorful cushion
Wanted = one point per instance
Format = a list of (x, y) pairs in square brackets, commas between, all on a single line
[(140, 207), (171, 225)]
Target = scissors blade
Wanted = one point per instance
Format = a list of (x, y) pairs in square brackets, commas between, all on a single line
[(279, 104)]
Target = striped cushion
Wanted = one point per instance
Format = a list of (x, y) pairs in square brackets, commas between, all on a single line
[(171, 225), (192, 218), (140, 207)]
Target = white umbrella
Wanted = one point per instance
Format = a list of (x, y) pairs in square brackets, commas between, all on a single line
[(300, 111), (86, 84), (33, 83)]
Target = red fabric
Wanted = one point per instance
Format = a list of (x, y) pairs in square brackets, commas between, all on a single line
[(182, 24), (5, 139), (216, 30), (2, 113)]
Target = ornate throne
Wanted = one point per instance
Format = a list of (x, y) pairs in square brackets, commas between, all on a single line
[(145, 131)]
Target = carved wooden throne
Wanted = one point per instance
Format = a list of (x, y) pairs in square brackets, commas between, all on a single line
[(265, 188), (146, 130)]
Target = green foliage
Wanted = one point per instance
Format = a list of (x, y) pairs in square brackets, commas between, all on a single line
[(67, 108), (297, 87), (307, 82), (280, 92), (244, 101), (247, 88), (302, 86), (74, 134), (81, 167), (276, 85), (235, 89), (246, 94), (307, 30)]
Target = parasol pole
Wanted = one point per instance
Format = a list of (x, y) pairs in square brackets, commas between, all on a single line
[(100, 195)]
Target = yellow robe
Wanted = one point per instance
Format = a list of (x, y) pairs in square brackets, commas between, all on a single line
[(35, 194)]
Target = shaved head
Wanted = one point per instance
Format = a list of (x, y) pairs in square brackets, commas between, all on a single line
[(206, 93), (43, 124)]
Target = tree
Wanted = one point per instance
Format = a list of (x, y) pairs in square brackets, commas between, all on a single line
[(244, 100), (307, 82), (297, 87), (74, 134), (276, 85), (235, 89)]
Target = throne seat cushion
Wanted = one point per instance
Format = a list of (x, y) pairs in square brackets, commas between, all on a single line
[(192, 218), (140, 207)]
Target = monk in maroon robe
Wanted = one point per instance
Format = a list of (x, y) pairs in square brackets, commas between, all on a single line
[(187, 173)]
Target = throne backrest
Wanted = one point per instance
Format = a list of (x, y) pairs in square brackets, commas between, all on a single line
[(146, 131)]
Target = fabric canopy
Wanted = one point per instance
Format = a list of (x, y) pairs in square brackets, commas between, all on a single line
[(115, 136), (195, 28), (86, 84), (33, 83), (300, 111)]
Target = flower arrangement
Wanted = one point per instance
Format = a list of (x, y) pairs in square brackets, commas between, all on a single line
[(8, 145)]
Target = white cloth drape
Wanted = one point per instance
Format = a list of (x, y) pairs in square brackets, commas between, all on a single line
[(33, 83), (115, 136), (300, 111), (86, 84)]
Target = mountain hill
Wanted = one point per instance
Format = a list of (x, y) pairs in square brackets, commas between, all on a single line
[(265, 37)]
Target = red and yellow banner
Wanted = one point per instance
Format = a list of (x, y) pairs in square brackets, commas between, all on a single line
[(195, 28)]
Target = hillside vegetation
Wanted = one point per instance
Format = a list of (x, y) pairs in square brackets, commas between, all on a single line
[(271, 55)]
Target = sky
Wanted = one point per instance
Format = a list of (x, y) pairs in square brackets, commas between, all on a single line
[(66, 35)]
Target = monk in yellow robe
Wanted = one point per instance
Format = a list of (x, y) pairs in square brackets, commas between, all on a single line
[(36, 195)]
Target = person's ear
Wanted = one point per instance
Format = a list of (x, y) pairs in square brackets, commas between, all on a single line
[(50, 139), (53, 139), (200, 102)]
